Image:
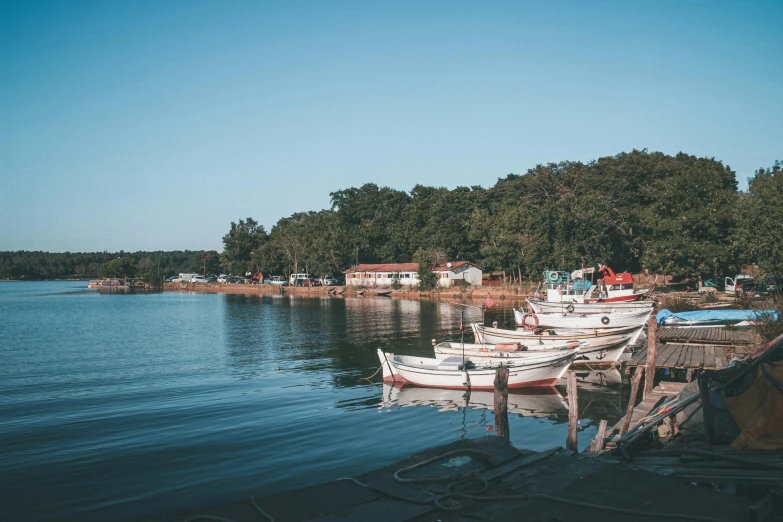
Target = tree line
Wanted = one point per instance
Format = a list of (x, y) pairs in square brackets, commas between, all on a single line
[(89, 265), (678, 215)]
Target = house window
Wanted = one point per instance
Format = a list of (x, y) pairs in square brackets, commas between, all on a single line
[(406, 276)]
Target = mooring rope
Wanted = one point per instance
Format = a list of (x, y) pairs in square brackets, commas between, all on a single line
[(213, 518), (448, 501)]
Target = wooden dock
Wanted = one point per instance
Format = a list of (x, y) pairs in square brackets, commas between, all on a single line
[(684, 357), (706, 336), (660, 394)]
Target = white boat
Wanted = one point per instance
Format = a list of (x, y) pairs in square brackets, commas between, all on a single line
[(581, 320), (540, 306), (458, 373), (546, 338), (510, 351), (531, 402), (572, 287)]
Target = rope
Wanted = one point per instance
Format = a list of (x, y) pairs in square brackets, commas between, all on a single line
[(448, 501), (370, 377), (214, 518)]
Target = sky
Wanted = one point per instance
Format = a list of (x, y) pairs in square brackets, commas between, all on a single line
[(152, 125)]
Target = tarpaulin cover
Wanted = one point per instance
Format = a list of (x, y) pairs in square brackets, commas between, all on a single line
[(759, 411), (582, 284), (714, 315)]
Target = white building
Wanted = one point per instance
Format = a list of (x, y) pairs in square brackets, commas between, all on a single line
[(452, 273)]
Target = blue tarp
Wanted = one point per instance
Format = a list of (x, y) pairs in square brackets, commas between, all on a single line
[(582, 284), (714, 315)]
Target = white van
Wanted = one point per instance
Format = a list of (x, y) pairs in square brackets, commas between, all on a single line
[(737, 282), (188, 278), (298, 279)]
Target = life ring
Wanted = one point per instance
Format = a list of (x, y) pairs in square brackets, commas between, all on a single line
[(605, 319), (570, 308), (524, 321), (552, 276)]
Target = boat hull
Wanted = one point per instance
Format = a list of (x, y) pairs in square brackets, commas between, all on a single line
[(534, 341), (598, 355), (545, 372), (538, 306), (586, 321)]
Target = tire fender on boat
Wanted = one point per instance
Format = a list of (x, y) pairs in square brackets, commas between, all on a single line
[(570, 308), (605, 319)]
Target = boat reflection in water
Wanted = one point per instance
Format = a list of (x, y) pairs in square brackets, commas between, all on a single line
[(528, 402), (599, 378)]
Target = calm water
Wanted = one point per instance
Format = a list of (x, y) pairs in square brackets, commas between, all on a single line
[(113, 405)]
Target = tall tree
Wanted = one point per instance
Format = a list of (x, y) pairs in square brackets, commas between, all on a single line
[(238, 245), (759, 238)]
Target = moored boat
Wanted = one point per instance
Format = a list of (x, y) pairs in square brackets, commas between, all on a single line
[(540, 306), (581, 320), (459, 373), (544, 338), (573, 288)]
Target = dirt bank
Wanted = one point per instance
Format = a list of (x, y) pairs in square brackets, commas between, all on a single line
[(457, 293)]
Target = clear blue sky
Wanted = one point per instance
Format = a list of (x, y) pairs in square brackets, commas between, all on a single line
[(151, 125)]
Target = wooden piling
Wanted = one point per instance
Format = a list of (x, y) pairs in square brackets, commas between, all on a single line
[(706, 408), (637, 377), (572, 441), (649, 372), (501, 403), (598, 442)]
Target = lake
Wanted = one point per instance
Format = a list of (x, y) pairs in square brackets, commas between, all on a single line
[(115, 405)]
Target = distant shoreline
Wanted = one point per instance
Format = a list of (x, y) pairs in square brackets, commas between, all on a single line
[(461, 293)]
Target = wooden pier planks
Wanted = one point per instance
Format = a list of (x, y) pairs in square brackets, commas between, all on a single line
[(714, 336), (664, 390), (684, 356)]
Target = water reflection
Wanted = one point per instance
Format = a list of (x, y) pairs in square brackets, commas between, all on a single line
[(539, 403)]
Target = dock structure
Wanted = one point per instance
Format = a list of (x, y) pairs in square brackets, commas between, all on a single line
[(684, 357), (485, 479), (706, 336), (659, 395)]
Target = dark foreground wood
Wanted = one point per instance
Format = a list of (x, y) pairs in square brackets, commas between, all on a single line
[(603, 487)]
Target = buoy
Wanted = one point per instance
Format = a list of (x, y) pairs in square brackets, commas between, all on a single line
[(278, 369), (465, 378), (490, 428)]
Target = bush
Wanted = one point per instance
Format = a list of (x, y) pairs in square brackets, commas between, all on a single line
[(395, 284), (711, 298), (678, 304), (769, 326)]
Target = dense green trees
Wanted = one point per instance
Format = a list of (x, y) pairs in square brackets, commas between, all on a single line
[(87, 265), (637, 210), (239, 244), (760, 215), (679, 215)]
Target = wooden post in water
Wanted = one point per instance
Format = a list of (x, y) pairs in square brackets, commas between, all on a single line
[(598, 442), (572, 441), (637, 377), (649, 372), (706, 408), (501, 403)]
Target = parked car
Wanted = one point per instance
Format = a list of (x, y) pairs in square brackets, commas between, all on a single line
[(334, 281), (279, 281), (199, 279), (755, 289), (172, 279), (223, 278), (310, 282), (211, 279)]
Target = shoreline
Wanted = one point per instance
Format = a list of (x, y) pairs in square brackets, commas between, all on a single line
[(461, 293)]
